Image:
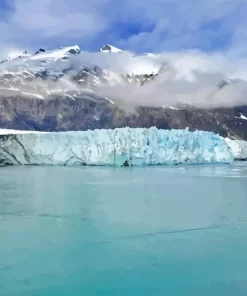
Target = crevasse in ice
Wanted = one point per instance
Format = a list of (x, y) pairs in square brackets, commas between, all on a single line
[(121, 146)]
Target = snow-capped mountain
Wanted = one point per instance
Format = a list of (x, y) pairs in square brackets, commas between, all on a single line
[(109, 48), (41, 54), (67, 89), (15, 56), (29, 74)]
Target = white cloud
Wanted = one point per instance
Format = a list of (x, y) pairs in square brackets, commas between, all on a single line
[(189, 24), (56, 17), (162, 24), (186, 78), (33, 22)]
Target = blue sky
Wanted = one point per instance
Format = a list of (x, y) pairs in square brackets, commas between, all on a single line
[(140, 25)]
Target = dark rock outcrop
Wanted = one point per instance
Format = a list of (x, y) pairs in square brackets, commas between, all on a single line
[(62, 113)]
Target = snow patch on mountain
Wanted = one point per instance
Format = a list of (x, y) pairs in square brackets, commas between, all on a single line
[(243, 117)]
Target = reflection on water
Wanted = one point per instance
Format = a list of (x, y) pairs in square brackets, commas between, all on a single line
[(125, 231)]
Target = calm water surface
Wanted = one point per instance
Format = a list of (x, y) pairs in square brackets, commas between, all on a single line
[(125, 231)]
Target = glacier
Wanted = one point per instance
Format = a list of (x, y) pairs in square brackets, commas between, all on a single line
[(238, 148), (118, 147)]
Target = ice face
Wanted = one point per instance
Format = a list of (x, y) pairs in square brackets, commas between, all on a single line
[(122, 146), (238, 148)]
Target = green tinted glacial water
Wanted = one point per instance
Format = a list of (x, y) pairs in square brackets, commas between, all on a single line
[(125, 231)]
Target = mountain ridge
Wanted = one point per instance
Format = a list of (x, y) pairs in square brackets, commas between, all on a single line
[(61, 89)]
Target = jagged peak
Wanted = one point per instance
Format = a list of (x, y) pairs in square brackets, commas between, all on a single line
[(40, 50), (110, 48)]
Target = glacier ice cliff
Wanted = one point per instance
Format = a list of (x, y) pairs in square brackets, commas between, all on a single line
[(121, 146), (238, 148)]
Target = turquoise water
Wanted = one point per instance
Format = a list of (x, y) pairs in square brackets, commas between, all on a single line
[(125, 231)]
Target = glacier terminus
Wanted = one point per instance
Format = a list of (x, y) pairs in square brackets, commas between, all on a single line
[(117, 147)]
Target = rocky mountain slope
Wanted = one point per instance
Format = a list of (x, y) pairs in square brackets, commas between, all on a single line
[(59, 90)]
